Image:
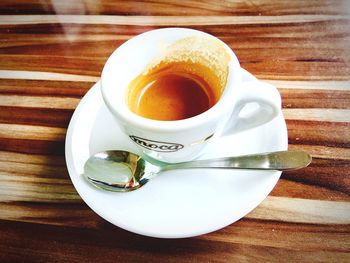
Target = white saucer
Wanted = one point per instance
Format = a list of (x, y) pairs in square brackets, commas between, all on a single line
[(180, 203)]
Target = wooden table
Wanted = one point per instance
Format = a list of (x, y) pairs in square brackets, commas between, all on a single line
[(51, 53)]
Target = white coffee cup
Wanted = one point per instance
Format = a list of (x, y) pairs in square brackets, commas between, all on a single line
[(181, 140)]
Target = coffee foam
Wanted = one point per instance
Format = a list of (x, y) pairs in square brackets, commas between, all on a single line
[(203, 56)]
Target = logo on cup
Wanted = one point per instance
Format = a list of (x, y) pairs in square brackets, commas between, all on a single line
[(156, 145)]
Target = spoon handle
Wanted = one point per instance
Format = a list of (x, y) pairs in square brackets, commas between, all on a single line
[(282, 161)]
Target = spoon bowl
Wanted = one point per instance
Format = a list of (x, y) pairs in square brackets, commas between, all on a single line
[(122, 171)]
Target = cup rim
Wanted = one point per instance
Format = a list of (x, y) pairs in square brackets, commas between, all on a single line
[(125, 115)]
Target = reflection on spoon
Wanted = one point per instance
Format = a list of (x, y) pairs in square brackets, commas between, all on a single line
[(122, 171)]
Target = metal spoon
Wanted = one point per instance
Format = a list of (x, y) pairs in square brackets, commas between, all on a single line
[(122, 171)]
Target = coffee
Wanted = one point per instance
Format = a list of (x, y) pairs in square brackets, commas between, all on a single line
[(182, 83), (170, 95)]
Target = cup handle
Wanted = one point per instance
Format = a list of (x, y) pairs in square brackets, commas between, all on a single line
[(265, 104)]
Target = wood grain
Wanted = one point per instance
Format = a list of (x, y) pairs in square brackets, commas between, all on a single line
[(164, 20), (51, 54), (250, 240), (169, 8)]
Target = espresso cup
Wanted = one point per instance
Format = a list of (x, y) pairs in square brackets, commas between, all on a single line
[(182, 139)]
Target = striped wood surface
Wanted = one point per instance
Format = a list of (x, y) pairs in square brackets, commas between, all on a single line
[(52, 52)]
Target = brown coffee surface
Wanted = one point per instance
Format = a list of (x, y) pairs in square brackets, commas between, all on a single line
[(171, 96)]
